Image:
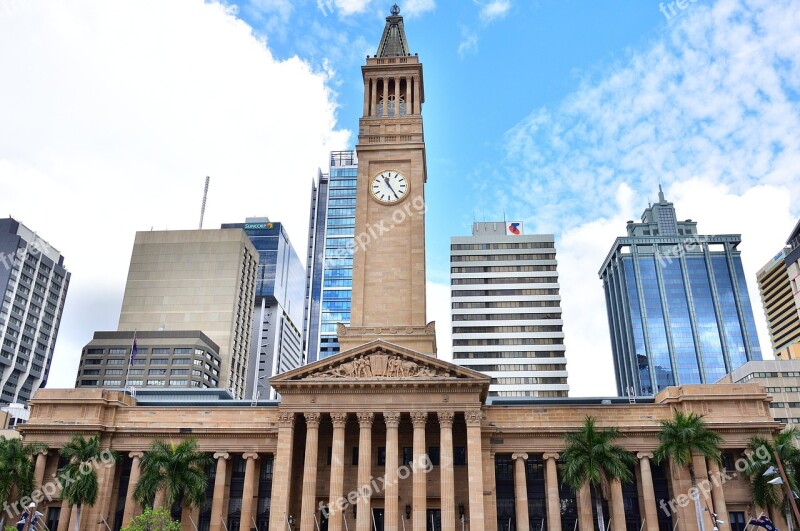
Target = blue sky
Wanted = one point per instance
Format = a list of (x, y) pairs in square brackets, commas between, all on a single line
[(565, 114)]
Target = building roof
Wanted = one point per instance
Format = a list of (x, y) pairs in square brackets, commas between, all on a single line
[(795, 235), (393, 42)]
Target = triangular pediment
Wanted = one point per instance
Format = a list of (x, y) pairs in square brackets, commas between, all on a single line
[(379, 362)]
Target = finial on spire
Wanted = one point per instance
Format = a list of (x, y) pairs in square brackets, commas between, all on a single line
[(395, 10), (660, 194)]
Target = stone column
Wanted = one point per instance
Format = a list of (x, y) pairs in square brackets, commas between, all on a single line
[(250, 487), (419, 506), (520, 492), (364, 511), (308, 509), (373, 108), (585, 515), (219, 491), (385, 97), (391, 503), (397, 97), (106, 473), (417, 96), (282, 473), (38, 471), (617, 506), (366, 96), (337, 471), (648, 493), (64, 516), (553, 498), (447, 487), (474, 417), (718, 496), (131, 507)]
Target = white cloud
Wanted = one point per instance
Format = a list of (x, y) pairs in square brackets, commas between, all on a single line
[(759, 214), (413, 8), (121, 110), (349, 7), (494, 9), (710, 110), (469, 42)]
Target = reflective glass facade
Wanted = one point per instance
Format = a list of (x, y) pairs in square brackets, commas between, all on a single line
[(678, 308), (329, 270), (276, 340)]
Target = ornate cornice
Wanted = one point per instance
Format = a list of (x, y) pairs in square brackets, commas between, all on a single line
[(365, 419), (339, 419), (474, 417), (419, 418), (446, 419), (391, 418), (312, 419)]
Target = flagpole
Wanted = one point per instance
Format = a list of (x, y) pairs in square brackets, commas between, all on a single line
[(130, 360)]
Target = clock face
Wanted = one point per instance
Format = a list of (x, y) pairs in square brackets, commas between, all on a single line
[(389, 187)]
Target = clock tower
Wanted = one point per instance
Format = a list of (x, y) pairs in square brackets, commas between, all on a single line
[(388, 298)]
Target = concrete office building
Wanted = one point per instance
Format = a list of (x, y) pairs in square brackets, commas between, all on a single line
[(196, 280), (162, 359), (779, 286), (329, 263), (34, 285), (506, 310), (781, 380), (276, 343)]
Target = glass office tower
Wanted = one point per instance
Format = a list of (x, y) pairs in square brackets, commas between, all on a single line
[(276, 343), (678, 308), (34, 284), (329, 265)]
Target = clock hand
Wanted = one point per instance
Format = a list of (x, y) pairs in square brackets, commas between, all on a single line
[(386, 180)]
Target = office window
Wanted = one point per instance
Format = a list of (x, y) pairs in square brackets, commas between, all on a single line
[(408, 455), (381, 456), (460, 456)]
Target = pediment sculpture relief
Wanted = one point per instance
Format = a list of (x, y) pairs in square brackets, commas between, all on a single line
[(379, 366)]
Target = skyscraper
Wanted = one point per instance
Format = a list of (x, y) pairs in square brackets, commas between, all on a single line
[(34, 284), (677, 303), (329, 264), (276, 343), (780, 295), (506, 310), (190, 280)]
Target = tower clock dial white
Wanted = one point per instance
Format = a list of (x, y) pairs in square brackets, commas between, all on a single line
[(389, 187)]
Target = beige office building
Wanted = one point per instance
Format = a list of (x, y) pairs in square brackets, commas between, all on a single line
[(776, 286), (195, 280), (780, 379)]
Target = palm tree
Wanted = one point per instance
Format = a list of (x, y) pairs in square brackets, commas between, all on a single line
[(78, 478), (765, 495), (17, 469), (683, 436), (592, 457), (178, 470)]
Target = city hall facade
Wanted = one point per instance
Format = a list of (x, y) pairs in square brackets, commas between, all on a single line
[(383, 435)]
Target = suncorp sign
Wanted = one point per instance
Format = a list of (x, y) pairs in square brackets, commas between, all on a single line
[(257, 226)]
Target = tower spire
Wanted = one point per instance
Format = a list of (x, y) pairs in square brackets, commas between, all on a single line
[(393, 41), (660, 194)]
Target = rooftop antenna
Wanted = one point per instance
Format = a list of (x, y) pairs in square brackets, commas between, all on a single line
[(203, 205)]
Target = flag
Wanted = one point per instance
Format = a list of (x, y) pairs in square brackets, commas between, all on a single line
[(134, 349), (764, 522)]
